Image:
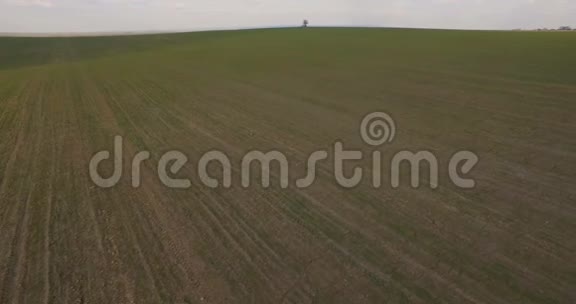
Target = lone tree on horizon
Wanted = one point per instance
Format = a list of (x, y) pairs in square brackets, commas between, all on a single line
[(305, 23)]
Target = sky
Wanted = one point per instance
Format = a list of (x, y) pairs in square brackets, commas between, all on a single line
[(71, 16)]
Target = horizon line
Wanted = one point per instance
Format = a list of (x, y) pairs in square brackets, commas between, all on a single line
[(216, 29)]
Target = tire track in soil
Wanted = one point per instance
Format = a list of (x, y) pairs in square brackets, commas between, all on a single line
[(234, 223), (52, 144), (209, 213)]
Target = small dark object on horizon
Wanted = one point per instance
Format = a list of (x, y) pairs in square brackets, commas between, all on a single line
[(305, 23)]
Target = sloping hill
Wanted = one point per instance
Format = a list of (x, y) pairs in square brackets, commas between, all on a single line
[(507, 96)]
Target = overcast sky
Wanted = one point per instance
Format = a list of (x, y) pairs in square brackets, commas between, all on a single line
[(161, 15)]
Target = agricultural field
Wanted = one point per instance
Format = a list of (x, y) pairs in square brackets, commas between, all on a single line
[(510, 97)]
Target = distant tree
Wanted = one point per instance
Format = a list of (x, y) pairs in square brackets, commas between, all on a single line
[(305, 23), (564, 28)]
